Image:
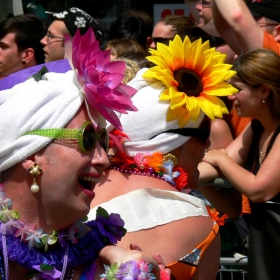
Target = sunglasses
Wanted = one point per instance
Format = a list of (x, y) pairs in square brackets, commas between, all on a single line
[(86, 136), (162, 40), (202, 133), (213, 41)]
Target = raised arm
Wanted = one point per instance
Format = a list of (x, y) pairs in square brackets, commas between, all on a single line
[(236, 25)]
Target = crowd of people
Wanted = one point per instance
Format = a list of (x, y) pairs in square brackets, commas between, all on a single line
[(110, 144)]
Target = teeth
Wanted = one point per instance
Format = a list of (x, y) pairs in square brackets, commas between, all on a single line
[(89, 179)]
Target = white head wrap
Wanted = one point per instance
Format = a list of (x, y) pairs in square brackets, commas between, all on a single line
[(49, 103), (150, 120)]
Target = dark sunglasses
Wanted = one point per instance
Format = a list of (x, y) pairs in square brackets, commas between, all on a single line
[(86, 136), (162, 40), (213, 41), (202, 133)]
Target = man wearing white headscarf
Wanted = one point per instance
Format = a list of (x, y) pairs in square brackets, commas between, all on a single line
[(52, 154)]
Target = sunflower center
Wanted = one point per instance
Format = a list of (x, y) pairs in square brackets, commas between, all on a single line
[(189, 82)]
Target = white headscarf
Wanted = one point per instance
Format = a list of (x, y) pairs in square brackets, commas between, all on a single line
[(49, 103), (150, 120)]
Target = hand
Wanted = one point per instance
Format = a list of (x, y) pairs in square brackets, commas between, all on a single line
[(213, 157), (165, 273)]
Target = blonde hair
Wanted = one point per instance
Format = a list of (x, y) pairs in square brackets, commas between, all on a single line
[(261, 67), (124, 45), (130, 71)]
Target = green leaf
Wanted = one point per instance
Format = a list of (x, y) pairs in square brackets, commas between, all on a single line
[(102, 212), (46, 267), (38, 76)]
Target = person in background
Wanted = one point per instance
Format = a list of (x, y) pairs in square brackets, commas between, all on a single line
[(205, 12), (167, 27), (251, 161), (130, 26), (249, 27), (20, 46), (67, 22), (53, 147), (120, 46)]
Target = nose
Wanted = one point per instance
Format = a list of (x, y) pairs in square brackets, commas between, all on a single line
[(153, 45), (198, 6), (44, 40), (232, 97), (99, 157)]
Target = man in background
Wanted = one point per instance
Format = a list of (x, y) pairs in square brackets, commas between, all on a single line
[(67, 22), (20, 46)]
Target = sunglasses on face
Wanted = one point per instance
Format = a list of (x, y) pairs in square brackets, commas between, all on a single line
[(162, 40), (213, 41), (86, 136), (202, 133)]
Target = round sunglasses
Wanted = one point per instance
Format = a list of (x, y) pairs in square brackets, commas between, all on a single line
[(86, 136)]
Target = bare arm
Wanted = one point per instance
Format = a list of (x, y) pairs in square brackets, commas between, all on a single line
[(258, 188), (236, 25)]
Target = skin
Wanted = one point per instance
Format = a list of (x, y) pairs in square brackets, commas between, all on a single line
[(54, 50), (205, 14), (264, 185), (182, 241), (11, 58), (64, 195), (237, 26)]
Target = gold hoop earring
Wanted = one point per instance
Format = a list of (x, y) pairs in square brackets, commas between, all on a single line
[(170, 157), (35, 170)]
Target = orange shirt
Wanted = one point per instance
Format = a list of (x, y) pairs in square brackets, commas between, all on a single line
[(270, 43)]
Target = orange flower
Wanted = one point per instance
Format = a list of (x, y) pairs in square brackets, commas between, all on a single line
[(215, 216), (154, 161), (182, 180)]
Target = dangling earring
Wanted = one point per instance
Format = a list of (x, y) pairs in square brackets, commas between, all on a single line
[(170, 157), (35, 170), (263, 100)]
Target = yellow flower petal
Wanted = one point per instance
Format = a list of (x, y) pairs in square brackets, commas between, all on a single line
[(210, 69)]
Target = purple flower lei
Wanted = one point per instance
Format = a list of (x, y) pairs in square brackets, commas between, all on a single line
[(131, 270), (83, 247)]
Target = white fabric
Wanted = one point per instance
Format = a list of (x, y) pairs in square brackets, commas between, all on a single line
[(49, 103), (148, 208), (150, 120)]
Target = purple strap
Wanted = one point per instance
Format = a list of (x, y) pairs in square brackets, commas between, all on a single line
[(59, 66)]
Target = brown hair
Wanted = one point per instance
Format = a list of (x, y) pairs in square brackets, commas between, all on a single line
[(261, 67), (181, 25), (124, 45)]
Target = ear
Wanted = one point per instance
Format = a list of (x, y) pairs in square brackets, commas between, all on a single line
[(265, 91), (149, 41), (29, 162), (277, 36), (27, 55)]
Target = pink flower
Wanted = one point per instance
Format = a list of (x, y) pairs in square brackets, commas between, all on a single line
[(99, 78)]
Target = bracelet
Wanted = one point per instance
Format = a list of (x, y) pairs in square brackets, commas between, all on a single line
[(131, 270)]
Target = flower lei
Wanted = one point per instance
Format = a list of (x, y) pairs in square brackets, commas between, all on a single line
[(131, 270), (154, 165), (106, 229)]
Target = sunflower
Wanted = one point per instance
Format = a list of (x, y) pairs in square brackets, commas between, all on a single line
[(193, 75)]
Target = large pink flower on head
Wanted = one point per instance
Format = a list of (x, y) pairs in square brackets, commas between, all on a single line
[(99, 79)]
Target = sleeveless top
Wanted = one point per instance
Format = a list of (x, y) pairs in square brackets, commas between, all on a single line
[(264, 241)]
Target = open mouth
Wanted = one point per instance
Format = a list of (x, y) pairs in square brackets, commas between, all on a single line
[(88, 182)]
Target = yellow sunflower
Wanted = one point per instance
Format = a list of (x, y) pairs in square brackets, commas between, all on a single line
[(194, 75)]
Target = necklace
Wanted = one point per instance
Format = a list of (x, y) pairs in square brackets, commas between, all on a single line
[(155, 165), (268, 148), (79, 249)]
